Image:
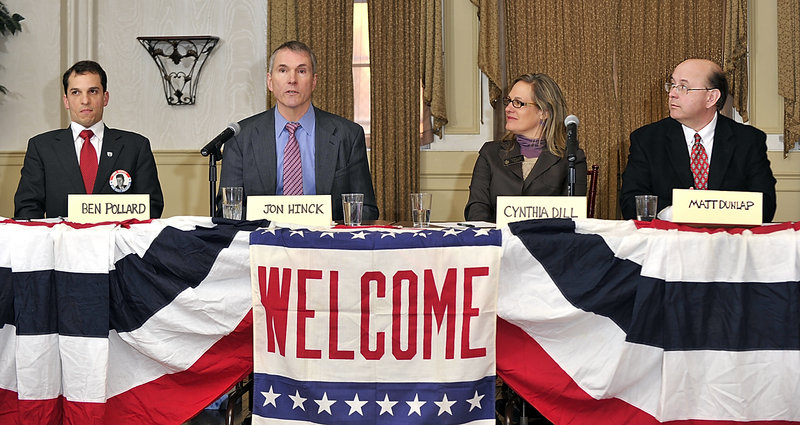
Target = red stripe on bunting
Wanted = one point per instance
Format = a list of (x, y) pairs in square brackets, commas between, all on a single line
[(175, 398), (170, 399), (759, 230), (529, 370)]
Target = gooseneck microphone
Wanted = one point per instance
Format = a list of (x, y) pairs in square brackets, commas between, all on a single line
[(216, 143), (571, 122)]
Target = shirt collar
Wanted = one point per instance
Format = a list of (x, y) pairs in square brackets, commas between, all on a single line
[(306, 121), (706, 133), (98, 129)]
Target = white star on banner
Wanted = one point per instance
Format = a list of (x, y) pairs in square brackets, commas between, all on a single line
[(386, 405), (451, 232), (323, 234), (421, 234), (270, 397), (388, 235), (298, 401), (360, 235), (355, 405), (444, 405), (324, 404), (482, 232), (415, 406), (271, 230), (475, 401), (296, 232)]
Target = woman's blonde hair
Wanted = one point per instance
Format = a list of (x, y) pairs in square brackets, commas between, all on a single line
[(548, 97)]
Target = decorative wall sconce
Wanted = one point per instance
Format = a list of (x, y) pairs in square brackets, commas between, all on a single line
[(180, 60)]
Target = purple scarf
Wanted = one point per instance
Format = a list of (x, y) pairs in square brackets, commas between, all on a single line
[(531, 148)]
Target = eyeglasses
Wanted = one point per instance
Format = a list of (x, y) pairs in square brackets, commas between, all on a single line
[(516, 102), (681, 89)]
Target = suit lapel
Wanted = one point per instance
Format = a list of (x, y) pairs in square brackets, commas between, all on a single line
[(678, 154), (326, 151), (113, 145), (65, 152), (263, 148), (722, 153), (515, 151)]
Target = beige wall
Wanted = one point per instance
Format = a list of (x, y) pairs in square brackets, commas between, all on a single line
[(232, 87)]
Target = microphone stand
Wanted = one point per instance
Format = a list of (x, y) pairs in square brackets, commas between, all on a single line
[(571, 178), (214, 154)]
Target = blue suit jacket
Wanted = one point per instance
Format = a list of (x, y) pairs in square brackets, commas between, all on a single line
[(659, 162), (249, 160), (50, 172)]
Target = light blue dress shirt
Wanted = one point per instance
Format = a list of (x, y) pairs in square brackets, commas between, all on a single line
[(305, 138)]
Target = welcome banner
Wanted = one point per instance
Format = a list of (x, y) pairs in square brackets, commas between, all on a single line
[(374, 326)]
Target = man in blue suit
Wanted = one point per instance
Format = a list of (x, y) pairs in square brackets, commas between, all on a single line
[(332, 150), (733, 156), (86, 157)]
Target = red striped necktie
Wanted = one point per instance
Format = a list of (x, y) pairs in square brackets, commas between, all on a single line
[(292, 167), (88, 161)]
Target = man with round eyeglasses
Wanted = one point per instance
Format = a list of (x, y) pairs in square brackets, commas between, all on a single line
[(729, 155)]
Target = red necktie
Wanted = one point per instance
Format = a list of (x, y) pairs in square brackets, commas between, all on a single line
[(292, 167), (699, 164), (88, 161)]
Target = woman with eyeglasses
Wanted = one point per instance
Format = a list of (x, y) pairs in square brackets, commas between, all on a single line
[(531, 160)]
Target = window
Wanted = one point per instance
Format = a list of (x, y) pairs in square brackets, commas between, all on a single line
[(361, 74), (361, 65)]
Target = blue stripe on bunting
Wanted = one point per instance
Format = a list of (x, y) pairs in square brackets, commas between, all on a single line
[(34, 302), (6, 297), (374, 239), (278, 397), (88, 304), (176, 260), (671, 315)]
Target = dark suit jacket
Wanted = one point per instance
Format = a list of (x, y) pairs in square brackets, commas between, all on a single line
[(249, 160), (50, 172), (492, 178), (659, 162)]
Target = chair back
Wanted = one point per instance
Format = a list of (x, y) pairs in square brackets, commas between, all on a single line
[(591, 193)]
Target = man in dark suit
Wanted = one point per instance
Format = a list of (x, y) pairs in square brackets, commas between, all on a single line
[(86, 157), (727, 155), (295, 148)]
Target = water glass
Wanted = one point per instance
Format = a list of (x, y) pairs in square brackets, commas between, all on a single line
[(352, 205), (232, 202), (646, 207), (421, 209)]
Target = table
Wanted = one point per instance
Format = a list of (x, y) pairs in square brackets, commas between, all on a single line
[(598, 320)]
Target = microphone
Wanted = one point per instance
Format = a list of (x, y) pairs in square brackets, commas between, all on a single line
[(571, 122), (216, 143)]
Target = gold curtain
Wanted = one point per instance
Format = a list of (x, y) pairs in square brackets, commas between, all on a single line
[(431, 62), (789, 70), (327, 27), (573, 42), (394, 35), (735, 53), (610, 57)]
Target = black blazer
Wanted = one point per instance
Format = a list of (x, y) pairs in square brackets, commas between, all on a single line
[(249, 160), (50, 172), (492, 178), (659, 162)]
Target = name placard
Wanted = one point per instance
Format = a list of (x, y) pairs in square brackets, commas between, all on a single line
[(307, 210), (519, 208), (99, 208), (717, 207)]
